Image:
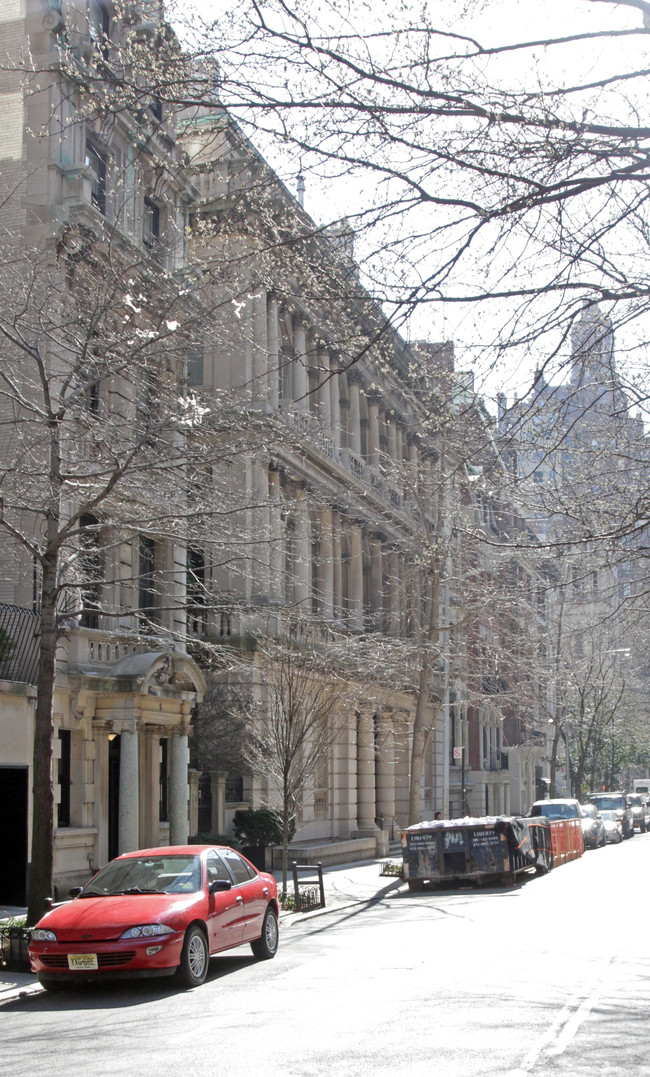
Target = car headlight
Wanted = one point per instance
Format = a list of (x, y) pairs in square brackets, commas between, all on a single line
[(145, 931), (40, 934)]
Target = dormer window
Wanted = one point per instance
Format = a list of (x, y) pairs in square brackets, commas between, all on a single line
[(96, 166)]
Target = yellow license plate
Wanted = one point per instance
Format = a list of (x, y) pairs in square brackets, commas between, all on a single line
[(82, 961)]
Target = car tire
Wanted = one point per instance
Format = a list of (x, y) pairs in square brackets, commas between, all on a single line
[(603, 841), (266, 946), (195, 958)]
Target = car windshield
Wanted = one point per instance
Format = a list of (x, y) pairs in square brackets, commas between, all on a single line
[(635, 801), (147, 875), (608, 816), (588, 811)]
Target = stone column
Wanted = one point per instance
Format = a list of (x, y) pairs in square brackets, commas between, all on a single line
[(392, 625), (260, 530), (355, 579), (302, 551), (399, 454), (402, 593), (276, 538), (218, 818), (260, 356), (337, 566), (301, 368), (344, 410), (335, 406), (354, 416), (194, 777), (386, 771), (366, 774), (391, 441), (178, 768), (129, 807), (373, 432), (402, 770), (150, 770), (326, 574), (273, 345), (376, 582), (324, 391)]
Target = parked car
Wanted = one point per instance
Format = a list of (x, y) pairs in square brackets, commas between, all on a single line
[(640, 812), (616, 802), (158, 912), (593, 828), (613, 827), (560, 808)]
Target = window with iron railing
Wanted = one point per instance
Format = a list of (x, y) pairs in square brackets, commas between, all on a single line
[(234, 790)]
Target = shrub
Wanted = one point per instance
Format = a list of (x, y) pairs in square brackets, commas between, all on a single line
[(259, 826), (214, 839)]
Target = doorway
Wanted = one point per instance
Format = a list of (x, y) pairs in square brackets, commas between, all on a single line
[(14, 813)]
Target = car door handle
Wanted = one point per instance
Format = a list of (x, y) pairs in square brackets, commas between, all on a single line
[(265, 891), (240, 901)]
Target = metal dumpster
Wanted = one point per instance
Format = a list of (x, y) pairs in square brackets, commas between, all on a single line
[(493, 848)]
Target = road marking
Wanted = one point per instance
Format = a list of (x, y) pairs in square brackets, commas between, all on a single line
[(564, 1028)]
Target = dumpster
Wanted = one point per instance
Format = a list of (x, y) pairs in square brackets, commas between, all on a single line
[(487, 849)]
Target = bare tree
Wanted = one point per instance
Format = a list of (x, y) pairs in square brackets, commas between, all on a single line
[(284, 727)]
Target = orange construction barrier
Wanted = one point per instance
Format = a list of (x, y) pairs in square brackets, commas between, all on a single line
[(567, 840)]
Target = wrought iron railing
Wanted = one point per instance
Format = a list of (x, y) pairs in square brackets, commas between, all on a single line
[(19, 644)]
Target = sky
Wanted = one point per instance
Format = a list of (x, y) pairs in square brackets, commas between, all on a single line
[(492, 22)]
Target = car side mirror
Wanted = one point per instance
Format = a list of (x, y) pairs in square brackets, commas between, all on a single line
[(219, 885)]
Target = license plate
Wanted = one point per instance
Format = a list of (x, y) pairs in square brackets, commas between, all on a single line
[(82, 961)]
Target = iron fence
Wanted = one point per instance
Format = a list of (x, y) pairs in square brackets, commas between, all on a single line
[(309, 894)]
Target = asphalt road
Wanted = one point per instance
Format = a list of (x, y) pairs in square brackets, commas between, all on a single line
[(549, 977)]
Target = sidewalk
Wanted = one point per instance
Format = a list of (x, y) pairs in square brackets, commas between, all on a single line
[(345, 885)]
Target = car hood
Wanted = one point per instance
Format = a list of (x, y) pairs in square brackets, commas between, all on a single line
[(107, 917)]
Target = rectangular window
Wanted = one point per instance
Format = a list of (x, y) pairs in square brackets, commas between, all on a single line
[(163, 801), (145, 406), (197, 621), (146, 578), (150, 224), (195, 367), (96, 165), (63, 779)]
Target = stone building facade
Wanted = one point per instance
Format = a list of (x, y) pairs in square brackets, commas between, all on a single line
[(198, 278)]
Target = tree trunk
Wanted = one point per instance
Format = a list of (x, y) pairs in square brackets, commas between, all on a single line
[(285, 839), (42, 854), (556, 740)]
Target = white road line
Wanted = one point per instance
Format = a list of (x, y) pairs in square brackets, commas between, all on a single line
[(563, 1029)]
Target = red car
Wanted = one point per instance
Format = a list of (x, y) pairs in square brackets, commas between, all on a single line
[(158, 912)]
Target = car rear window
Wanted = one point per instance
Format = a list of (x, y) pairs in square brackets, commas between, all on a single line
[(555, 811), (610, 803)]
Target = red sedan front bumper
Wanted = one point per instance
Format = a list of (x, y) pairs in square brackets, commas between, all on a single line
[(153, 956)]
